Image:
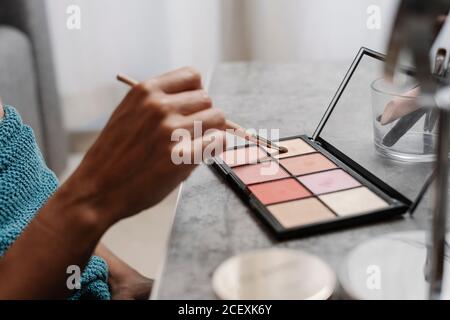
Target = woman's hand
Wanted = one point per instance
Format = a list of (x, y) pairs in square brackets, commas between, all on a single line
[(130, 286), (400, 107), (2, 113), (128, 169), (124, 281), (130, 166)]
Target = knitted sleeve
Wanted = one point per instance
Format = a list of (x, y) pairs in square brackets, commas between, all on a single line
[(26, 183)]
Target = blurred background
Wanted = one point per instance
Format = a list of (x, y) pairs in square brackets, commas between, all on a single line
[(146, 37), (71, 66)]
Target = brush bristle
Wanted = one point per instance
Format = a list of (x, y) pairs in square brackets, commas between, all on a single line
[(283, 149)]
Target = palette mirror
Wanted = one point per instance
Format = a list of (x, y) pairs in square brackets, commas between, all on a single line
[(348, 127), (332, 178)]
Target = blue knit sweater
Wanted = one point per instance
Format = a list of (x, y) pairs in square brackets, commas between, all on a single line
[(25, 185)]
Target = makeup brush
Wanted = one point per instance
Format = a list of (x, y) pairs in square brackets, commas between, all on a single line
[(402, 126), (238, 130)]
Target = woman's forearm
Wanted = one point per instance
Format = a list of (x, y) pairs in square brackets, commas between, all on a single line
[(117, 178), (65, 232)]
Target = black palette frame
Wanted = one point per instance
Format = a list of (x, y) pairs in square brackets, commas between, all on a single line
[(398, 204)]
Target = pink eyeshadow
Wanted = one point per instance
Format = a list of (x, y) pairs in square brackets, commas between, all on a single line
[(260, 172), (278, 191), (328, 181)]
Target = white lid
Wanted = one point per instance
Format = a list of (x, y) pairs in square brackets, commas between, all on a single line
[(274, 274)]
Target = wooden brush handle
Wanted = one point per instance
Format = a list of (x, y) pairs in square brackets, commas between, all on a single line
[(127, 80)]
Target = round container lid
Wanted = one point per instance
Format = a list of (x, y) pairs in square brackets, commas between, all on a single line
[(274, 274), (393, 266)]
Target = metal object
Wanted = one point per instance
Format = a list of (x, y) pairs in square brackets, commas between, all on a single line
[(415, 30), (440, 71), (437, 236)]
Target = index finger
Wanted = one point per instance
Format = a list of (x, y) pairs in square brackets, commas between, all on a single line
[(180, 80)]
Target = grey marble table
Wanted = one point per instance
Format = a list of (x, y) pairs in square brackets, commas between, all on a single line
[(211, 223)]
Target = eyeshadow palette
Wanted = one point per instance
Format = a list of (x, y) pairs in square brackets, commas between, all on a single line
[(307, 191), (317, 185)]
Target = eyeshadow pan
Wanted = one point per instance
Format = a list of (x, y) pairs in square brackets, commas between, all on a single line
[(353, 201), (261, 172), (307, 164), (301, 212), (241, 156), (279, 191), (329, 181), (295, 146)]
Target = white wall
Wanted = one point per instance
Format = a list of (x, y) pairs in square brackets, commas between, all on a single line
[(146, 37), (288, 30), (138, 37)]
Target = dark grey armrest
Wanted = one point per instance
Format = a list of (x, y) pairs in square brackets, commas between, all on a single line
[(30, 18)]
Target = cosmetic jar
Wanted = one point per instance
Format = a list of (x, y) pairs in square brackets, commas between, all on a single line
[(403, 130), (393, 266), (274, 274)]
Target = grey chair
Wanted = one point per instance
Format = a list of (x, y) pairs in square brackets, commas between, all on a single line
[(27, 78)]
